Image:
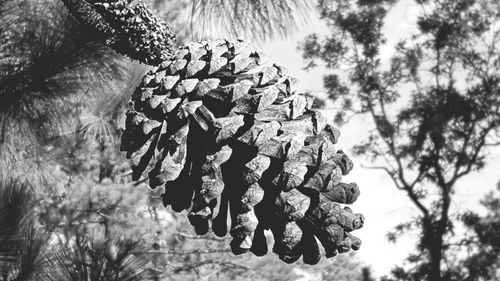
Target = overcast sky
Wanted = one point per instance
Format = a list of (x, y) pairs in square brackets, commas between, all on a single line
[(383, 206)]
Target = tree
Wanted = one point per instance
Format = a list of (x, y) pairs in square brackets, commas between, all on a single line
[(435, 108)]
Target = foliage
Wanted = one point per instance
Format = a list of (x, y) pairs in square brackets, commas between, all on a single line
[(27, 250), (264, 19), (484, 244), (258, 20), (44, 57), (435, 106), (97, 260), (22, 243), (50, 68)]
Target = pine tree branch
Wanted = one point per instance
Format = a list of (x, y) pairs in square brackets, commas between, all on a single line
[(86, 14), (131, 30), (201, 237), (207, 262), (184, 253)]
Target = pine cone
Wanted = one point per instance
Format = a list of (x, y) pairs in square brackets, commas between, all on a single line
[(131, 30), (222, 130)]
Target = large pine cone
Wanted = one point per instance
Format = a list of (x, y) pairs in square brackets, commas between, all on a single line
[(222, 130)]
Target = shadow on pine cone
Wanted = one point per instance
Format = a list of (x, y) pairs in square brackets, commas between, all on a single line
[(223, 130)]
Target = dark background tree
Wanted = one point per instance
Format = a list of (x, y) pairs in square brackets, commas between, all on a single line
[(435, 108)]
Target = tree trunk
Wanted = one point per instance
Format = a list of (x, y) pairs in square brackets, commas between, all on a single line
[(433, 240), (436, 256)]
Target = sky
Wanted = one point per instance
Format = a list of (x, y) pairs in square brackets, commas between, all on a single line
[(380, 202)]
